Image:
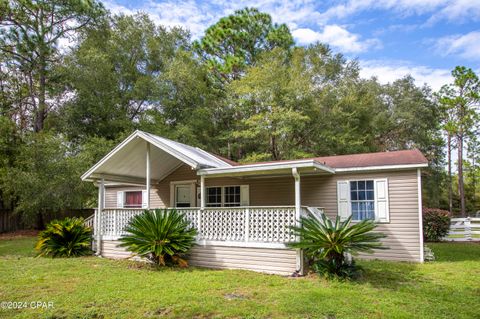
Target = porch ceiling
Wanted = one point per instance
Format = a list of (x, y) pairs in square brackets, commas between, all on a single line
[(128, 164)]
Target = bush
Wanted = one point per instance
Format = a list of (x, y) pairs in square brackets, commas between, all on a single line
[(436, 224), (65, 238), (161, 236), (328, 244)]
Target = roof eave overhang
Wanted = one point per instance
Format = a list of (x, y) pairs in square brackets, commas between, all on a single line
[(267, 168), (246, 170), (381, 168)]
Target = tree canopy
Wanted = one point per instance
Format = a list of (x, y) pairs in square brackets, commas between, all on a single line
[(244, 90)]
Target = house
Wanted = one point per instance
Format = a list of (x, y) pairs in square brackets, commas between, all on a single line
[(243, 211)]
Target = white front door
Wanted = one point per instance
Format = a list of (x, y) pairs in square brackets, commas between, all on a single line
[(183, 195)]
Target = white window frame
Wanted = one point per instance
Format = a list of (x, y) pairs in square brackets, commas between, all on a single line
[(173, 192), (124, 198), (207, 204), (363, 200), (222, 187), (385, 201)]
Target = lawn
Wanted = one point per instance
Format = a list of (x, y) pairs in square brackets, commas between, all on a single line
[(92, 287)]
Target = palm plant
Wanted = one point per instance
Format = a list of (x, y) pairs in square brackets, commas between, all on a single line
[(329, 245), (65, 238), (161, 236)]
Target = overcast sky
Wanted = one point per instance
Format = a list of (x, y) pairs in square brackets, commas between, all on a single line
[(424, 38)]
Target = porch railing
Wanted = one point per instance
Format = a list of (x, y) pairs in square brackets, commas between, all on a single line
[(252, 224)]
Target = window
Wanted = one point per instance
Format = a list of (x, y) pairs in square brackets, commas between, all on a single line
[(214, 197), (232, 196), (133, 199), (226, 196), (362, 197)]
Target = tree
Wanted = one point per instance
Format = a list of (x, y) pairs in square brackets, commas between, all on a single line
[(115, 75), (45, 175), (270, 98), (461, 100), (472, 169), (30, 32), (236, 41)]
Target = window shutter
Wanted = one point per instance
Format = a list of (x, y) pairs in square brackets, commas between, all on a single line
[(343, 198), (382, 213), (120, 199), (144, 198), (244, 195)]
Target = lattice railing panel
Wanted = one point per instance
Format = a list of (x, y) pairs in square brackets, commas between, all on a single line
[(226, 224), (191, 215), (123, 218), (239, 224), (271, 224)]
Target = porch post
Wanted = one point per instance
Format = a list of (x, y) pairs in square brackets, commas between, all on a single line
[(298, 211), (147, 174), (202, 192), (298, 207), (98, 226)]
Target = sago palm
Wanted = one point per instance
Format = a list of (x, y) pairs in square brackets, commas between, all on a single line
[(327, 244), (65, 238), (161, 236)]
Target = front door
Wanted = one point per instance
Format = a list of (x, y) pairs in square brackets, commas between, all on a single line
[(183, 196)]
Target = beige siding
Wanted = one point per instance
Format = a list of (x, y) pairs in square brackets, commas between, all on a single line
[(276, 261), (402, 230), (110, 249)]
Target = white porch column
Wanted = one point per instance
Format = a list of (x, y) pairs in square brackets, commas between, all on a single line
[(298, 203), (98, 222), (202, 192), (147, 174), (298, 212)]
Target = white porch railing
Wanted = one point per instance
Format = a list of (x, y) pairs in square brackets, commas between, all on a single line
[(89, 221), (253, 225), (464, 229)]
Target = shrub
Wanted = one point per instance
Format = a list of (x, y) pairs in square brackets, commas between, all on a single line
[(65, 238), (161, 236), (328, 244), (436, 223)]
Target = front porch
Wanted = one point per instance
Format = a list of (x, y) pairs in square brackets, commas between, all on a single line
[(251, 226)]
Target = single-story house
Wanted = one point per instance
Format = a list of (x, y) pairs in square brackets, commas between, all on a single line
[(243, 212)]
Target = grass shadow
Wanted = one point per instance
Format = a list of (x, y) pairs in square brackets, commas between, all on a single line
[(388, 275)]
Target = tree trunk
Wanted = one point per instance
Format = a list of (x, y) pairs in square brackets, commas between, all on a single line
[(42, 107), (40, 222), (449, 159), (461, 190), (474, 182)]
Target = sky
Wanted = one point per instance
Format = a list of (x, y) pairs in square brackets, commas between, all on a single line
[(390, 38)]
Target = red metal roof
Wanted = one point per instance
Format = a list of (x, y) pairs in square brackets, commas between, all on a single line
[(405, 157)]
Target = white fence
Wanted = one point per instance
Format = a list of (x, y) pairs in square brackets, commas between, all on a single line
[(255, 225), (464, 229)]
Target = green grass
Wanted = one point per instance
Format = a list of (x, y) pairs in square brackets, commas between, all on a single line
[(91, 287)]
